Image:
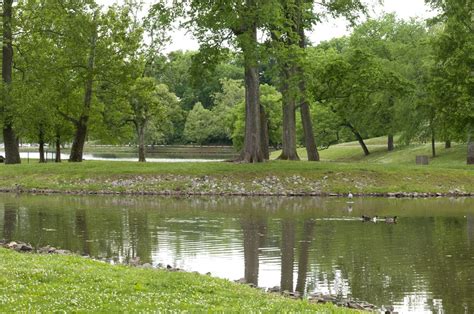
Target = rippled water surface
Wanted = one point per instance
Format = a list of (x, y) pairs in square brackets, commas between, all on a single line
[(424, 263)]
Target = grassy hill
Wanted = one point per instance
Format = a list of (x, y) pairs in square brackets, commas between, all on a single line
[(402, 155)]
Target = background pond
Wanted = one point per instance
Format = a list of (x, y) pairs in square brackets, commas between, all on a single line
[(425, 263)]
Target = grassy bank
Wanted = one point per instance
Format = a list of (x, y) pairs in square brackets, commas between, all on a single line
[(275, 177), (47, 283), (343, 168)]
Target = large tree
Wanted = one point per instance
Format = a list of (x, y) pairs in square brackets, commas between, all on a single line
[(454, 71), (7, 108), (236, 22), (93, 49), (289, 46)]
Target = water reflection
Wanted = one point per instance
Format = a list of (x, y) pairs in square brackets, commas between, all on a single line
[(424, 263)]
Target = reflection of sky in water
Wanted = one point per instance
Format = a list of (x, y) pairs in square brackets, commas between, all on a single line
[(409, 266)]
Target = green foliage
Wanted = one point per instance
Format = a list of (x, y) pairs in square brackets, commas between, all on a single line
[(198, 126), (453, 82)]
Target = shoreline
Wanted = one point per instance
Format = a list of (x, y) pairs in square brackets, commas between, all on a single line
[(35, 191)]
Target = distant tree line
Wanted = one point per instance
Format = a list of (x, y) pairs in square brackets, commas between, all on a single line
[(73, 71)]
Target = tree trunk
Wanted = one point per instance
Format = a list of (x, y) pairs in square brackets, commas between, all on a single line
[(447, 144), (287, 255), (10, 211), (252, 148), (41, 145), (58, 148), (251, 244), (470, 148), (81, 126), (141, 143), (433, 144), (309, 140), (304, 256), (359, 138), (12, 153), (264, 129), (77, 147), (390, 145), (289, 117)]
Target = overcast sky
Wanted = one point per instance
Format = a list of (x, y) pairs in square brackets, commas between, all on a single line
[(404, 9)]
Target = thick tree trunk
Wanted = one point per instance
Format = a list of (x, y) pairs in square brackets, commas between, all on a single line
[(41, 145), (447, 144), (252, 150), (359, 139), (304, 256), (287, 255), (289, 116), (12, 153), (141, 143), (390, 146), (81, 126), (433, 144), (77, 148), (58, 148), (264, 131), (309, 140)]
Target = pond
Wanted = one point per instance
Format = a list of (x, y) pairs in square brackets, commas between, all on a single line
[(28, 157), (424, 263)]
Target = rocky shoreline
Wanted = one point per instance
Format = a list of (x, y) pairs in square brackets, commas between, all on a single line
[(340, 301), (20, 190)]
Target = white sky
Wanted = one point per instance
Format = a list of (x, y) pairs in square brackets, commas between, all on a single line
[(404, 9)]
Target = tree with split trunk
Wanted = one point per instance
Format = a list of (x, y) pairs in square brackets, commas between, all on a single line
[(236, 22), (289, 46), (7, 107)]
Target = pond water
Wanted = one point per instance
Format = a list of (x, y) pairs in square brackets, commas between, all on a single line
[(151, 157), (422, 264)]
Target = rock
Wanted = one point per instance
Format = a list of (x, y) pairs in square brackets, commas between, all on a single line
[(134, 261), (26, 247), (274, 289), (241, 281), (63, 252), (2, 159), (147, 265)]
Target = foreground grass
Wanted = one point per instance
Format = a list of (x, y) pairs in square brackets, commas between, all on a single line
[(53, 283)]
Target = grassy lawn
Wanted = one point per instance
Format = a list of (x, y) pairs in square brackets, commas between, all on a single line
[(53, 283), (343, 169)]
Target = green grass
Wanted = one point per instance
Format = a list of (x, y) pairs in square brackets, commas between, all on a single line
[(53, 283), (404, 155), (275, 177), (343, 168)]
